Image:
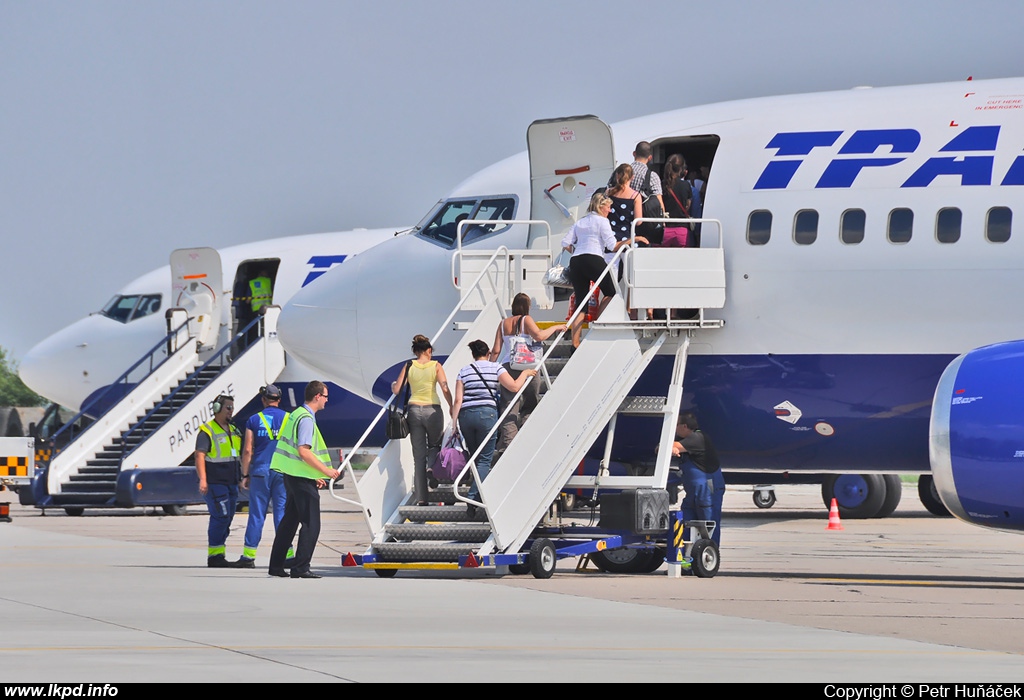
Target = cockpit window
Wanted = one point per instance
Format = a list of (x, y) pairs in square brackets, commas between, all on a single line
[(125, 308), (443, 225)]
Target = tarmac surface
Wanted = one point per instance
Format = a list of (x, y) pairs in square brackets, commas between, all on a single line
[(125, 596)]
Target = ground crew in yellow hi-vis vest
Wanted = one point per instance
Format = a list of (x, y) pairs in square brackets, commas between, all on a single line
[(261, 292), (301, 456), (218, 450)]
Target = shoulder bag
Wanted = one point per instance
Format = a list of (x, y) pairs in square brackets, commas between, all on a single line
[(396, 425)]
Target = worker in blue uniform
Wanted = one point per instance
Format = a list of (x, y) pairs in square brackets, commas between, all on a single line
[(266, 487), (702, 474)]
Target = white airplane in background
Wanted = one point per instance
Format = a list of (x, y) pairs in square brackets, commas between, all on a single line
[(868, 237), (78, 364)]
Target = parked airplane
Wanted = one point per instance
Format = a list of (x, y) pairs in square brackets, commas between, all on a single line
[(868, 241), (86, 365)]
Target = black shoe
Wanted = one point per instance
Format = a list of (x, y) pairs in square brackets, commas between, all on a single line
[(305, 574), (470, 511), (245, 563), (280, 573), (219, 562)]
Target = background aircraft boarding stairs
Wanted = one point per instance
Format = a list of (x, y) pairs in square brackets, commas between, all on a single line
[(132, 452), (591, 389)]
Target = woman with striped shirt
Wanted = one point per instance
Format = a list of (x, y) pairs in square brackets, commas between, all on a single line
[(476, 406)]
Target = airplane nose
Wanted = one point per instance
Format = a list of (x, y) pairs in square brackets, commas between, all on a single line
[(319, 326), (58, 367), (356, 322)]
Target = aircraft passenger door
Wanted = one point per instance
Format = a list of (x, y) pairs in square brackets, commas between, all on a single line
[(570, 158), (197, 286)]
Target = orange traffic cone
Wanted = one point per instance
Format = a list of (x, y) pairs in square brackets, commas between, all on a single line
[(833, 517)]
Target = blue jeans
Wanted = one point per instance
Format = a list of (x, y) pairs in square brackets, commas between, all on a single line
[(264, 492), (474, 424), (704, 495), (220, 501)]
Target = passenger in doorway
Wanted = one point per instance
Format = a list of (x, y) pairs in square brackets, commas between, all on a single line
[(589, 240), (426, 421), (476, 407), (702, 474), (218, 446), (266, 487), (519, 323), (642, 157), (678, 199), (626, 204)]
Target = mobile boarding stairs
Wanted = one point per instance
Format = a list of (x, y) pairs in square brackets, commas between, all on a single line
[(586, 391), (132, 454)]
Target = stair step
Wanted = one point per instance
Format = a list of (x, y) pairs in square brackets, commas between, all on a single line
[(436, 513), (97, 480), (91, 488), (440, 532), (422, 551), (101, 465), (643, 405)]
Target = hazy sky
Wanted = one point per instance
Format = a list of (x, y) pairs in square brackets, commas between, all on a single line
[(129, 128)]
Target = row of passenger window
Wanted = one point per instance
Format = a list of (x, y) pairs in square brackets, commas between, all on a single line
[(900, 227)]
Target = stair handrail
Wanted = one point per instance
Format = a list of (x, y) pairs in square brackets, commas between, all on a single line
[(190, 378), (580, 307), (461, 229), (168, 341), (347, 461)]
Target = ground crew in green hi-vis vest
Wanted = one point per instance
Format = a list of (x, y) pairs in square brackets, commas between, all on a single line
[(301, 456), (218, 445)]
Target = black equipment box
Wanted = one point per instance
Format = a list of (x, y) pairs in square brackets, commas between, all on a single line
[(639, 511)]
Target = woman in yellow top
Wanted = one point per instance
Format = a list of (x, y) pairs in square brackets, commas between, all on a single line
[(426, 421)]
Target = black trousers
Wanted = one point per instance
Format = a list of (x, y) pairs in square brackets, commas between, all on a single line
[(301, 508)]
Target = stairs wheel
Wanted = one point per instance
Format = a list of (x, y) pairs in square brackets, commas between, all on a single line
[(74, 511), (520, 569), (386, 573), (543, 558)]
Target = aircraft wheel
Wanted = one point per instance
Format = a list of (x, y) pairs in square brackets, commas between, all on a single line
[(74, 511), (859, 496), (622, 560), (764, 498), (893, 493), (568, 502), (930, 496), (542, 558), (175, 509), (705, 559), (386, 573)]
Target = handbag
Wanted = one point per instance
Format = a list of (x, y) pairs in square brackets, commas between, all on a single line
[(450, 460), (524, 352), (558, 274), (396, 425)]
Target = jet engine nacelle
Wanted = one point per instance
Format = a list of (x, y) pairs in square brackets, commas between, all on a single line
[(976, 440)]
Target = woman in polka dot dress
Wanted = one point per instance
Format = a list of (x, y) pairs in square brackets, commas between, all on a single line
[(626, 202)]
